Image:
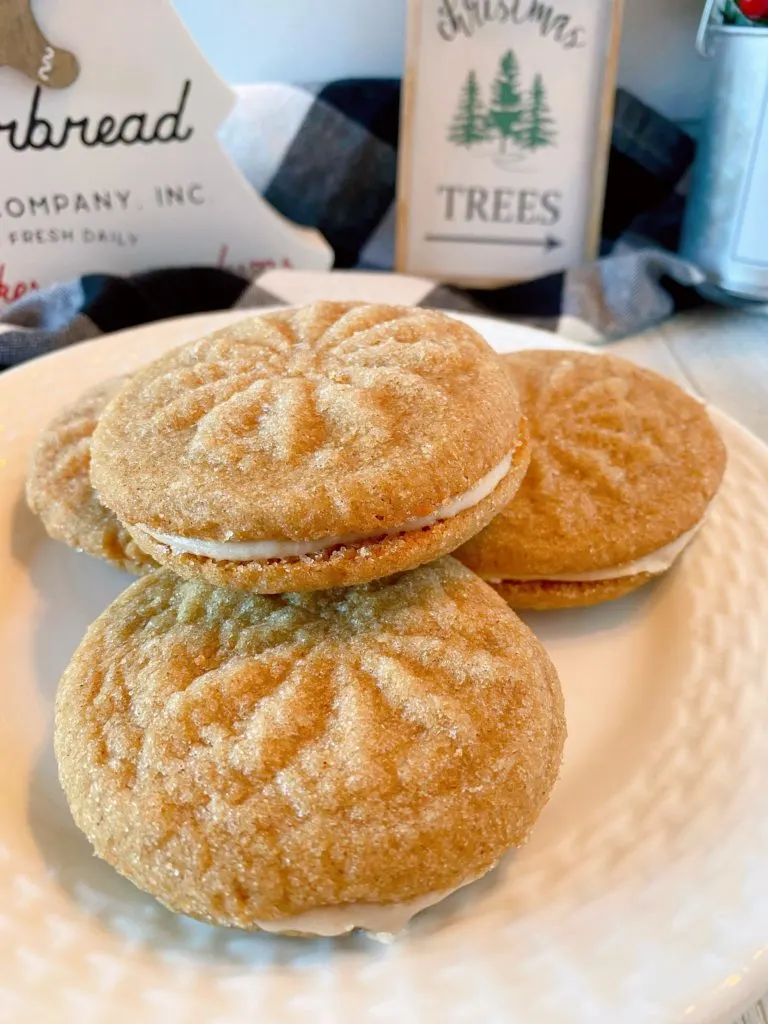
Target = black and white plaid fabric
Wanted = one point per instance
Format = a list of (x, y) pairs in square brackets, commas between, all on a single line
[(327, 158)]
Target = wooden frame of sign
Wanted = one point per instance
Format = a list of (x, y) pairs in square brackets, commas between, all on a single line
[(505, 133)]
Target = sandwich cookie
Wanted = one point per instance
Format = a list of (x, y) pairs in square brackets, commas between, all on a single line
[(59, 485), (624, 465), (308, 763), (313, 448)]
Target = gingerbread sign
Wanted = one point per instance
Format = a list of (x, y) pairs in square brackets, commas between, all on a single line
[(24, 46), (110, 159)]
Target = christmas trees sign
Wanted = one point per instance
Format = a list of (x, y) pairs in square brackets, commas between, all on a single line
[(109, 155), (505, 130), (522, 119)]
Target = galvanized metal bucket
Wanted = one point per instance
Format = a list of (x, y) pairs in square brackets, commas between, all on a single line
[(725, 232)]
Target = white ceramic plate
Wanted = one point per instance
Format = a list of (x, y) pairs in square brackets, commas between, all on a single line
[(641, 898)]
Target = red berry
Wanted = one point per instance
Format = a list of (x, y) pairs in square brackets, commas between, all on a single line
[(755, 9)]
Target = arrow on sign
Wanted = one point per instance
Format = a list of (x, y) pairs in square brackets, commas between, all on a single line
[(549, 243)]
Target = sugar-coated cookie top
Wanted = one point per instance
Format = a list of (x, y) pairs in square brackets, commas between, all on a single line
[(331, 419), (622, 463), (59, 485), (246, 757)]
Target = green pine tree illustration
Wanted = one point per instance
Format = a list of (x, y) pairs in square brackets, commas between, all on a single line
[(469, 125), (507, 109), (539, 128)]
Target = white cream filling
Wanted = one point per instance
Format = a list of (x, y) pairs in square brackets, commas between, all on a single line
[(656, 562), (248, 551), (382, 920)]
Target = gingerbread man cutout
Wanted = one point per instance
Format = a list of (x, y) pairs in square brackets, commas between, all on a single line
[(24, 47)]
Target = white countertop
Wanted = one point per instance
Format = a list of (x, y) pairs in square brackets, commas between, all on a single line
[(722, 355)]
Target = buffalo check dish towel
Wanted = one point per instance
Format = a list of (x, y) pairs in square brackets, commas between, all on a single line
[(326, 157)]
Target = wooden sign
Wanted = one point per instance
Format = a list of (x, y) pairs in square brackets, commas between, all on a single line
[(109, 155), (505, 129)]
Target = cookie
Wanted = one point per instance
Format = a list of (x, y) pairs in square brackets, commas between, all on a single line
[(549, 595), (313, 448), (624, 465), (59, 485), (308, 763)]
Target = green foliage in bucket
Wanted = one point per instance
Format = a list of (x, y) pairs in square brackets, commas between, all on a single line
[(731, 15), (745, 12)]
